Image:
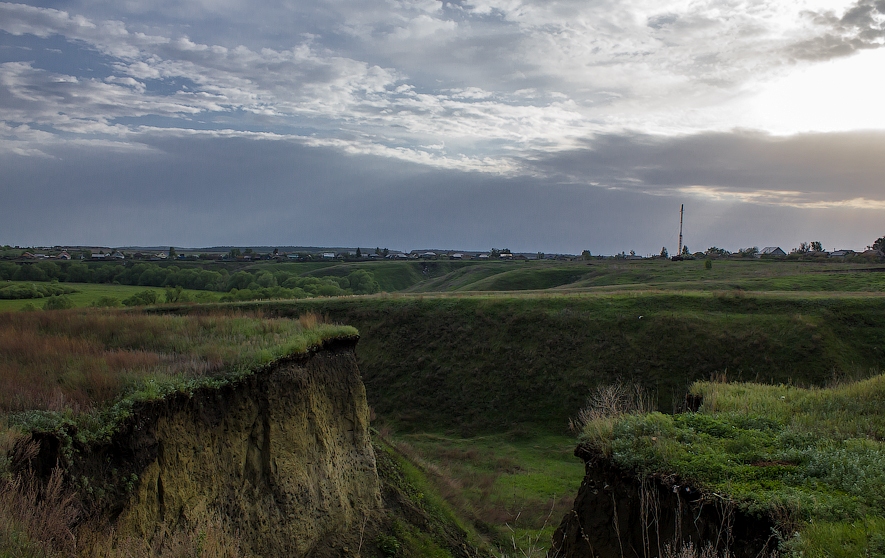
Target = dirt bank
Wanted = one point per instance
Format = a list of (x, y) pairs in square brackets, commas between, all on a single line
[(620, 514)]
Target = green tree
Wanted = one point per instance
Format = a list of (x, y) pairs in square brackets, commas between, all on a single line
[(817, 246), (879, 244), (172, 253), (664, 253), (708, 264), (586, 255), (685, 251), (359, 253)]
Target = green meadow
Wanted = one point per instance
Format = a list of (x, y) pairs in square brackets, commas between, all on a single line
[(89, 294)]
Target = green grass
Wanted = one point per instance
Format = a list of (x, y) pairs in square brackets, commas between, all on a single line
[(812, 458), (88, 293), (515, 487)]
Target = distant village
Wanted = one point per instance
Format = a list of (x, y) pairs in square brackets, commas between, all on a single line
[(812, 250)]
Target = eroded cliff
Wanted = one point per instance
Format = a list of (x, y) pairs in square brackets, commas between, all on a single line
[(620, 513), (283, 457)]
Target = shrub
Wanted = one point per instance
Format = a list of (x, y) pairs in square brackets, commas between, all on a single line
[(107, 302), (142, 298), (58, 303)]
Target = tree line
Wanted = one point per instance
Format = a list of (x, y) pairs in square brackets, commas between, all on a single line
[(241, 285)]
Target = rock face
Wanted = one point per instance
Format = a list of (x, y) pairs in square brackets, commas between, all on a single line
[(284, 457), (618, 514)]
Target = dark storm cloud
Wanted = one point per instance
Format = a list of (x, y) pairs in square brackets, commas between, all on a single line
[(861, 27), (210, 190), (216, 191), (812, 168)]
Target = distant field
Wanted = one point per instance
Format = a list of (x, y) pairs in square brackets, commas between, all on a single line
[(88, 293), (449, 276)]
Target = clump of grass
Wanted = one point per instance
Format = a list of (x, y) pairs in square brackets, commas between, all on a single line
[(88, 367), (606, 404), (813, 459)]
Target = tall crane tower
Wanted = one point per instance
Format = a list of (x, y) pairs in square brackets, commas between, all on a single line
[(678, 256)]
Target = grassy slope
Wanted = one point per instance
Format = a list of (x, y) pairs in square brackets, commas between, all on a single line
[(491, 364)]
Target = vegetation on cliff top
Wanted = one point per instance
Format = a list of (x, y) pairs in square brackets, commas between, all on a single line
[(813, 459), (83, 371)]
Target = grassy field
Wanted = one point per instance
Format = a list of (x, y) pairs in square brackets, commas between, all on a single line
[(88, 294), (814, 459), (474, 369), (86, 368)]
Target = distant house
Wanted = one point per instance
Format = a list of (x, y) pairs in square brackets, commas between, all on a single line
[(772, 251), (64, 256), (841, 253), (329, 255), (483, 256), (873, 254), (29, 255), (118, 255), (428, 255), (457, 256)]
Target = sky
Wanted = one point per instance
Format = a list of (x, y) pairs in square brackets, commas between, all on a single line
[(535, 125)]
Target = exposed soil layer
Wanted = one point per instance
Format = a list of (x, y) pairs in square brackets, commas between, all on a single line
[(284, 457), (619, 514)]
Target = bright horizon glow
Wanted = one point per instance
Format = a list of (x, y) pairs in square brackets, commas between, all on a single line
[(833, 96)]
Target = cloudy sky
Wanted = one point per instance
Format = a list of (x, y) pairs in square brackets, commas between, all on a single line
[(535, 125)]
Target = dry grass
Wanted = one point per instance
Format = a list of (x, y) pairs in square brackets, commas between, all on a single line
[(595, 421), (208, 537), (37, 518), (78, 360)]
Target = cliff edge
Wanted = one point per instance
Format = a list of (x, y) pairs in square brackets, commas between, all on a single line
[(620, 513), (283, 458)]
